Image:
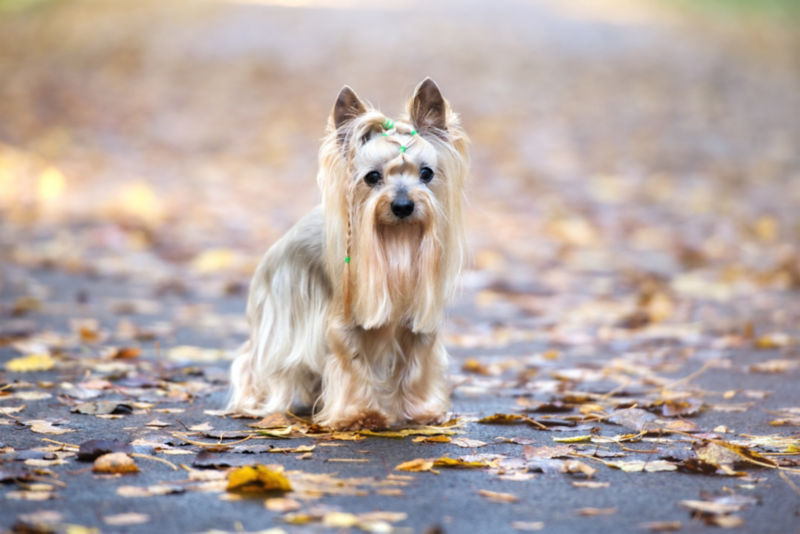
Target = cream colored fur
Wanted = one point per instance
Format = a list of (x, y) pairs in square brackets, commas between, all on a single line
[(360, 342)]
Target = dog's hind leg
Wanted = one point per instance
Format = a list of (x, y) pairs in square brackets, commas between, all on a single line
[(281, 363)]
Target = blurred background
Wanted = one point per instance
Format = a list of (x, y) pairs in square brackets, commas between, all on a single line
[(635, 163)]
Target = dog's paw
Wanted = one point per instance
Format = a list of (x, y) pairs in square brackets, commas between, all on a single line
[(367, 420), (429, 419)]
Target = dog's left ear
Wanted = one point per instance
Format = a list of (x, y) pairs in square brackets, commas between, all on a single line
[(428, 108), (348, 106)]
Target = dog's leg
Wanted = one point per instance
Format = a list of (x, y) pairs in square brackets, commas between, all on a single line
[(422, 395), (281, 363), (349, 398)]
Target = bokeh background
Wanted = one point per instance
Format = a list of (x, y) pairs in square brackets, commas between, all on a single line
[(634, 223), (634, 162)]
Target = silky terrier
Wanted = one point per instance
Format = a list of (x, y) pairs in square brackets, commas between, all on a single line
[(345, 309)]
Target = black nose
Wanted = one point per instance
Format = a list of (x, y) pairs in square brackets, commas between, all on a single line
[(402, 206)]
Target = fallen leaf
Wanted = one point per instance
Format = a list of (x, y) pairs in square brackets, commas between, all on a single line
[(638, 466), (102, 407), (591, 484), (130, 518), (275, 420), (774, 366), (590, 511), (41, 426), (416, 465), (459, 463), (30, 363), (281, 504), (661, 526), (635, 419), (432, 439), (258, 478), (574, 439), (495, 496), (94, 448), (468, 443), (115, 463), (578, 467), (528, 526)]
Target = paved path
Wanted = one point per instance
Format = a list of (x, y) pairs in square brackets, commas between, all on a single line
[(634, 284)]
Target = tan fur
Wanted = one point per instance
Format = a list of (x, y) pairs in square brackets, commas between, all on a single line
[(360, 341)]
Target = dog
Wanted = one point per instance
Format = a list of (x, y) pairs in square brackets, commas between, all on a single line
[(345, 310)]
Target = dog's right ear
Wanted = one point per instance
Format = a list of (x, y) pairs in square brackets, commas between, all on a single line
[(348, 106)]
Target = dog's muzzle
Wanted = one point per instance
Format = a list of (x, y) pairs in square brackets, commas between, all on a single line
[(402, 206)]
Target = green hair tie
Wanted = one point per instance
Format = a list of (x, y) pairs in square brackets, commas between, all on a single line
[(347, 259), (403, 148), (413, 132), (388, 124)]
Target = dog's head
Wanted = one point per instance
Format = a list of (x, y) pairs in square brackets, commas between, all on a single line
[(392, 196)]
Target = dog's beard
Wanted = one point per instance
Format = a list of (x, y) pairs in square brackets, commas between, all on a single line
[(396, 277)]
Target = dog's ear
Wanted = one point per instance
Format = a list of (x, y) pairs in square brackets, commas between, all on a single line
[(348, 106), (428, 108)]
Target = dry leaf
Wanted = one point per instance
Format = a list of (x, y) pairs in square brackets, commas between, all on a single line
[(258, 478), (130, 518), (41, 426), (281, 504), (495, 496), (589, 511), (30, 363), (416, 465), (661, 526), (115, 463), (527, 526), (468, 443), (459, 463), (591, 484), (432, 439)]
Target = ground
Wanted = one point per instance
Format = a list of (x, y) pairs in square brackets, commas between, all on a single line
[(630, 310)]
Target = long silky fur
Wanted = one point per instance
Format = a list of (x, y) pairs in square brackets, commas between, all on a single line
[(358, 341)]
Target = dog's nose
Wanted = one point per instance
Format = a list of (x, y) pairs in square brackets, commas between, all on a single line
[(402, 206)]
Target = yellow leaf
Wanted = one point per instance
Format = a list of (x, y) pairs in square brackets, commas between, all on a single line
[(339, 520), (430, 430), (415, 466), (431, 439), (574, 439), (31, 362), (444, 461), (502, 419), (257, 478), (80, 529), (551, 354)]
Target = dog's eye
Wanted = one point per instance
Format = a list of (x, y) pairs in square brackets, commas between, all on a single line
[(372, 178), (426, 174)]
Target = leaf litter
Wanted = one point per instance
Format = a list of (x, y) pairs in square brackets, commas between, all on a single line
[(589, 330)]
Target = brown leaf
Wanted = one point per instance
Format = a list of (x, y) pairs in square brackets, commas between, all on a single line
[(661, 526), (116, 463), (589, 511), (275, 420), (495, 496)]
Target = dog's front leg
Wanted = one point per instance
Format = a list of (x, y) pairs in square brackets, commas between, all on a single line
[(423, 394), (349, 398)]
